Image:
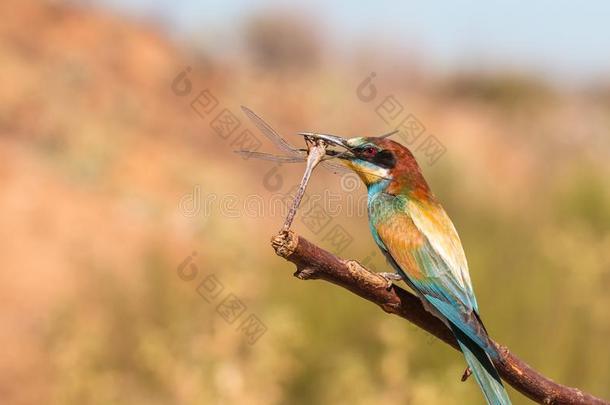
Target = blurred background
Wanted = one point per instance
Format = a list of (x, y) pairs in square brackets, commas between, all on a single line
[(135, 243)]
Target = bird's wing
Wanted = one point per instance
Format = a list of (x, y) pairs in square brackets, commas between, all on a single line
[(423, 244), (433, 222)]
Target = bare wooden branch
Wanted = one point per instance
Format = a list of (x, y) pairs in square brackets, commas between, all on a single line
[(313, 262)]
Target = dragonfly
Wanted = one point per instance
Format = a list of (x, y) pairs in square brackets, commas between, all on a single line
[(315, 154), (292, 153)]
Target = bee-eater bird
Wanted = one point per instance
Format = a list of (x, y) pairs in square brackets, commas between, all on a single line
[(421, 243)]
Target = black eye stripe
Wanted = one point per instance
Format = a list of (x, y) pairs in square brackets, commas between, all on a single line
[(380, 157), (385, 158)]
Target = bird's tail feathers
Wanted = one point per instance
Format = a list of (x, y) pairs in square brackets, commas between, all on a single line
[(483, 369)]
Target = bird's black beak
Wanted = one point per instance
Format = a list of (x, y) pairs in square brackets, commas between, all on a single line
[(332, 140)]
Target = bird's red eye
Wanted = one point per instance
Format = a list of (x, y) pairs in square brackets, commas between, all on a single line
[(370, 151)]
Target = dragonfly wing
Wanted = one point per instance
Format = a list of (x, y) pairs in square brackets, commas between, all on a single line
[(334, 167), (270, 157), (296, 154), (270, 133)]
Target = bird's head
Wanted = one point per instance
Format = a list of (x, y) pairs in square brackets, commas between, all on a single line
[(377, 160)]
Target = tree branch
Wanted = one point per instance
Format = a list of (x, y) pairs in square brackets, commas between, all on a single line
[(313, 262)]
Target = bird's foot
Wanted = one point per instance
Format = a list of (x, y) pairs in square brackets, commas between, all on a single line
[(467, 373), (389, 277)]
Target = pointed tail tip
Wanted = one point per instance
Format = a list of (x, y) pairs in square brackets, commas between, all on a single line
[(486, 376), (483, 370)]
